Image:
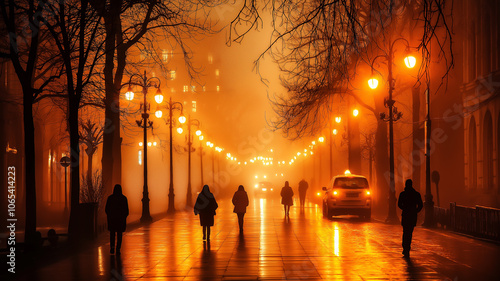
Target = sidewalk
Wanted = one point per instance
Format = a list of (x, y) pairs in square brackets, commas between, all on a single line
[(305, 247)]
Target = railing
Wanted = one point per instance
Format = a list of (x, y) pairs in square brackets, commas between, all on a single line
[(477, 221)]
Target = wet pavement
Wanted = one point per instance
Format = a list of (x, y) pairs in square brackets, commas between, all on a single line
[(305, 247)]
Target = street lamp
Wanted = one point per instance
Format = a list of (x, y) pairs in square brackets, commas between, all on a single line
[(191, 122), (171, 106), (393, 115), (145, 123)]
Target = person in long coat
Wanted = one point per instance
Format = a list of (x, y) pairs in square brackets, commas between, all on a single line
[(287, 198), (117, 211), (240, 202), (410, 202), (205, 206), (302, 192)]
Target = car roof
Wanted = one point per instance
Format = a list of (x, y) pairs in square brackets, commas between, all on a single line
[(349, 176)]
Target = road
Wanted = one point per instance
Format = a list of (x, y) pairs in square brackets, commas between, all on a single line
[(273, 247)]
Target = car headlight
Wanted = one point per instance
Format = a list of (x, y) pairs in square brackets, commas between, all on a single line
[(368, 192), (264, 189), (335, 192)]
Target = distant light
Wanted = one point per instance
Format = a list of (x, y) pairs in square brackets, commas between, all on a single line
[(256, 186), (182, 119), (368, 192), (313, 142), (335, 193), (318, 194), (140, 157), (200, 137), (256, 176), (140, 143), (129, 95), (154, 143), (298, 153), (150, 144), (264, 189), (355, 112), (158, 114), (334, 131), (271, 150), (179, 130), (321, 139), (281, 174), (265, 176), (198, 133), (347, 172), (338, 119)]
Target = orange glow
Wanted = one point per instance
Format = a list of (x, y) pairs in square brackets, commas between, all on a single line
[(318, 194), (368, 192), (338, 119), (129, 95), (182, 119), (179, 130), (158, 97), (334, 131), (321, 139), (347, 172), (355, 112), (158, 114)]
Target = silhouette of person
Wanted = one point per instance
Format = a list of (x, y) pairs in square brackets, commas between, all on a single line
[(287, 198), (302, 191), (240, 202), (205, 206), (117, 212), (410, 202)]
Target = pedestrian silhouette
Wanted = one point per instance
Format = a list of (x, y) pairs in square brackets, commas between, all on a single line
[(205, 206), (302, 192), (117, 212), (287, 198), (410, 202), (240, 202)]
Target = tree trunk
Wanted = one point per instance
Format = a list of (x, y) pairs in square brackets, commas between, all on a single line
[(417, 157), (381, 157), (29, 151), (74, 141)]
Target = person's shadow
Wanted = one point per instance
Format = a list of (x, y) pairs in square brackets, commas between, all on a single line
[(412, 269), (207, 267)]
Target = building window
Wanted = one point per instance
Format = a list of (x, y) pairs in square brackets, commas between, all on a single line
[(217, 72), (218, 88), (172, 90), (210, 59), (193, 88), (185, 88), (164, 55), (140, 157), (173, 74), (472, 154), (488, 152), (193, 106), (204, 89)]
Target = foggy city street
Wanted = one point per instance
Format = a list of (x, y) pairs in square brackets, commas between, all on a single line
[(250, 140)]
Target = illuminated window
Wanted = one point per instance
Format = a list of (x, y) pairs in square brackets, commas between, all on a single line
[(185, 88), (172, 90), (193, 88), (164, 54), (210, 59), (193, 106), (204, 89), (217, 72), (218, 88), (173, 74), (140, 157)]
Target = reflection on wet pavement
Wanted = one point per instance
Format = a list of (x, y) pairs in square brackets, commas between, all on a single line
[(303, 246)]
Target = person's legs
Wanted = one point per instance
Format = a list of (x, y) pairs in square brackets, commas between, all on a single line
[(284, 206), (112, 242), (119, 236), (208, 233), (407, 236), (240, 220), (204, 232)]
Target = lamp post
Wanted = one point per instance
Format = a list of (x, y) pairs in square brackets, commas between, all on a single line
[(191, 122), (393, 115), (144, 123), (201, 158), (171, 106)]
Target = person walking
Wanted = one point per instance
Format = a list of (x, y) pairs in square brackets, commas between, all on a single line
[(287, 198), (240, 202), (205, 206), (302, 192), (117, 211), (410, 202)]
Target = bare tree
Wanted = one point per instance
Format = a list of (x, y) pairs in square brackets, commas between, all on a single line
[(91, 137)]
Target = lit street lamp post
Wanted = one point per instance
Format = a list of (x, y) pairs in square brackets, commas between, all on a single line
[(393, 115), (145, 123), (171, 106), (191, 122)]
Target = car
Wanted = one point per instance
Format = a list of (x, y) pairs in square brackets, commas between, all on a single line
[(265, 189), (347, 194)]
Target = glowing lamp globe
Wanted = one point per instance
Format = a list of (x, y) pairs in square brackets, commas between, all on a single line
[(179, 130), (129, 95), (373, 83), (355, 112), (182, 119), (158, 114), (410, 61), (158, 97), (198, 133)]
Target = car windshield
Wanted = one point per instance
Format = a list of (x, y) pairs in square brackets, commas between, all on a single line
[(351, 182)]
